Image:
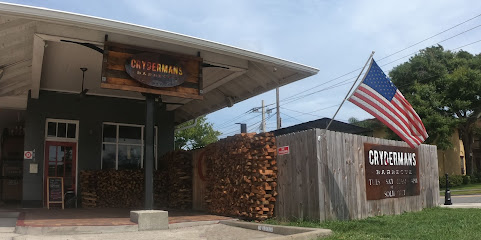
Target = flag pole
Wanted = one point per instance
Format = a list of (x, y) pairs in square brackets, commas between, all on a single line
[(347, 95)]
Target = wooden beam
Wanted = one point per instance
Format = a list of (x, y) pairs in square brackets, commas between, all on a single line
[(150, 90), (13, 102), (256, 80), (264, 72), (53, 38), (223, 81), (37, 61)]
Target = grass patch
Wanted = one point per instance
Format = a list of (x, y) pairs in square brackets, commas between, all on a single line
[(433, 223), (468, 189)]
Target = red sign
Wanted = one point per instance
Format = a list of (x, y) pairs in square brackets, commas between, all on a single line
[(283, 150), (27, 154)]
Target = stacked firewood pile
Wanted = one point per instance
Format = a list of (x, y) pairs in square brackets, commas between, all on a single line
[(161, 195), (119, 189), (125, 188), (179, 164), (111, 188), (242, 175), (88, 181)]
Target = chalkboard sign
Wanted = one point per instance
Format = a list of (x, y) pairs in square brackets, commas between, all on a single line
[(55, 191)]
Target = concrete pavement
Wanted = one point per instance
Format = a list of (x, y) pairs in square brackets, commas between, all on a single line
[(8, 221), (463, 201), (207, 232), (198, 230)]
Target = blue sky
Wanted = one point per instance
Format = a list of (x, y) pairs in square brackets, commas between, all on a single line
[(333, 36)]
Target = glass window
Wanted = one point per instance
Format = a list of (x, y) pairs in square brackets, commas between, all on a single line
[(61, 130), (130, 157), (110, 133), (108, 156), (128, 134), (71, 130), (52, 129), (123, 146)]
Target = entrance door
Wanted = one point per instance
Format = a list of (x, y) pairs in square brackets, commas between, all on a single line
[(60, 161)]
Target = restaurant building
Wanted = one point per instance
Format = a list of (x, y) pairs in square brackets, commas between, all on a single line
[(85, 93)]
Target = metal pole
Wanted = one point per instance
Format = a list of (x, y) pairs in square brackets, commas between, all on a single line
[(277, 107), (447, 193), (83, 77), (149, 151), (243, 128), (347, 95), (263, 124)]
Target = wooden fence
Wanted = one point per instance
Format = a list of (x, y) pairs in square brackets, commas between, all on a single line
[(323, 178)]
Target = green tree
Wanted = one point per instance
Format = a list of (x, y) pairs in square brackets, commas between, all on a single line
[(444, 88), (371, 124), (198, 136)]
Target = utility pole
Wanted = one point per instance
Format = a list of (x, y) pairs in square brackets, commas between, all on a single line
[(278, 110), (263, 124)]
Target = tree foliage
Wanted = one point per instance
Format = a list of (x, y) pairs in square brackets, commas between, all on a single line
[(198, 136), (371, 124), (444, 88)]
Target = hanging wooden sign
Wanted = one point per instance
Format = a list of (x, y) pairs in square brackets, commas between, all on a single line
[(153, 71), (391, 172), (156, 70)]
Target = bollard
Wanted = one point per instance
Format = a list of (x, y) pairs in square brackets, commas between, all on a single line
[(447, 194)]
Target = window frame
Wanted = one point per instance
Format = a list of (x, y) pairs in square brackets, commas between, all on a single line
[(117, 143), (61, 139)]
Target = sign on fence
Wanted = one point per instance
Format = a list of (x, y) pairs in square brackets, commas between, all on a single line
[(391, 172), (283, 150)]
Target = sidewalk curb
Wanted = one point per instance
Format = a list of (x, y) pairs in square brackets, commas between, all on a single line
[(288, 232), (28, 230), (462, 205)]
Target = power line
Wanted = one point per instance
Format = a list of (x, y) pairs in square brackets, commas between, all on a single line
[(461, 33), (291, 117), (457, 25), (250, 128), (298, 96), (344, 82), (237, 120), (300, 112), (237, 117), (321, 90), (466, 45), (419, 51)]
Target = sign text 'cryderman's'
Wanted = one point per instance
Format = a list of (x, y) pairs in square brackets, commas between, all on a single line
[(156, 67), (388, 158), (156, 70)]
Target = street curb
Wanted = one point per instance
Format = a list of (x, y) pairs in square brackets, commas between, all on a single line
[(191, 224), (288, 232), (63, 230), (462, 205)]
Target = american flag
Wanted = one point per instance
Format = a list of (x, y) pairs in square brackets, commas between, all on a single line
[(378, 96)]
